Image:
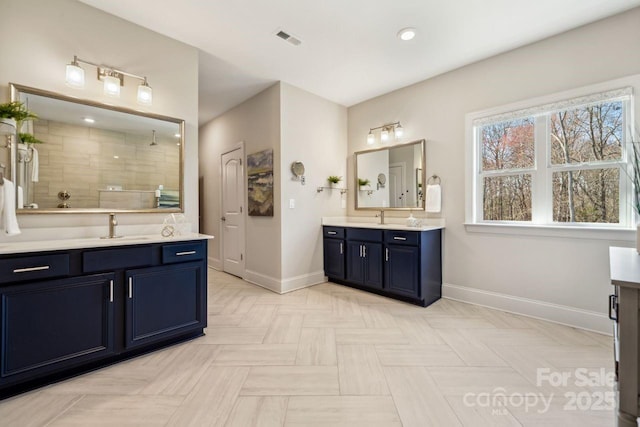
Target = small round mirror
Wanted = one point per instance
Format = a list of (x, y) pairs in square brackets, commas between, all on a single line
[(297, 169)]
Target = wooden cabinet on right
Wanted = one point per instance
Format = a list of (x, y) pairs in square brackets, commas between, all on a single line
[(405, 265)]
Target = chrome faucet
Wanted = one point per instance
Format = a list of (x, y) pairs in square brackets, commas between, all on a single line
[(381, 215), (112, 227)]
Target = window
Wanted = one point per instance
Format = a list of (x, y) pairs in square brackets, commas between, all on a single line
[(561, 163)]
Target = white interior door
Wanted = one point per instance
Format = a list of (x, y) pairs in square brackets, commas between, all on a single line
[(232, 220), (396, 186)]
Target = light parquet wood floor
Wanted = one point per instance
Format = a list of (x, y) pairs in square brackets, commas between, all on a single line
[(333, 356)]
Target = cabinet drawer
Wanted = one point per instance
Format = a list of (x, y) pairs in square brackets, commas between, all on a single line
[(402, 237), (183, 252), (333, 232), (364, 234), (34, 267), (114, 259)]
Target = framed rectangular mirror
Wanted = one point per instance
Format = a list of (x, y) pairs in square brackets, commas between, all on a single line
[(92, 157), (395, 176)]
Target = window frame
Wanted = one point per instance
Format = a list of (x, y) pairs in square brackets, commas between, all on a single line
[(542, 170)]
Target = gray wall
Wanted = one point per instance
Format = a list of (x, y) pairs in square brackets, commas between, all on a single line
[(283, 252), (528, 274), (37, 40)]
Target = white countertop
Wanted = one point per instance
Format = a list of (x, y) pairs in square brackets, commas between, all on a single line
[(624, 264), (93, 242), (351, 222)]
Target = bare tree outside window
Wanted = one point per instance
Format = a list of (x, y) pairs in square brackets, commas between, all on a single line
[(581, 178), (508, 146), (587, 135)]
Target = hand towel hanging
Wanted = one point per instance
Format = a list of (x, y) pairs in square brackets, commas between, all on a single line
[(433, 198), (9, 221)]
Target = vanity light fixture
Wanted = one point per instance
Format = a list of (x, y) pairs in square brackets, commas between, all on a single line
[(112, 79), (385, 133)]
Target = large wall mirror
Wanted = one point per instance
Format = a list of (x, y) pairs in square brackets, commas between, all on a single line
[(395, 177), (91, 157)]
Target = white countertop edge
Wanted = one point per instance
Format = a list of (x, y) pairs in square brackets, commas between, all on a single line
[(357, 222), (93, 242)]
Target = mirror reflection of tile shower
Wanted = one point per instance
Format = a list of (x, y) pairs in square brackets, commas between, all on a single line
[(100, 156)]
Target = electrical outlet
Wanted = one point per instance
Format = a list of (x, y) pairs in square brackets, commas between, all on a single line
[(292, 203)]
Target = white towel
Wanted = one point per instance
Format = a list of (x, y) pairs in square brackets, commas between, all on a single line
[(8, 220), (35, 165), (20, 198), (433, 198)]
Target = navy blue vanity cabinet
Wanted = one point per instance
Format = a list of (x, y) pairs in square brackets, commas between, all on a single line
[(413, 264), (364, 257), (65, 312), (167, 300), (54, 324), (334, 252), (401, 264)]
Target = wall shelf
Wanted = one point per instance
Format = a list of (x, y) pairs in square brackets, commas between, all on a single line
[(321, 189)]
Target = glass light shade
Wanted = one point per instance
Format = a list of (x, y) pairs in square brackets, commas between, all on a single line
[(371, 138), (384, 135), (399, 131), (111, 86), (75, 76), (145, 94)]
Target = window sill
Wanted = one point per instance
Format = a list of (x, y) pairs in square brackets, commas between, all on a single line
[(574, 232)]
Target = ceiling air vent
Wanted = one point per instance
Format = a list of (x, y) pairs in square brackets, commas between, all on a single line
[(288, 38)]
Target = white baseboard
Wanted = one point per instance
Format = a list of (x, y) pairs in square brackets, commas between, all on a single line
[(285, 285), (215, 263), (262, 280), (570, 316), (303, 281)]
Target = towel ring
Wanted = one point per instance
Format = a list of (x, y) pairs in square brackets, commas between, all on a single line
[(434, 179)]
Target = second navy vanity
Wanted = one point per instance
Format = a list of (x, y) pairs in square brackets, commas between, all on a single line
[(80, 304), (396, 262)]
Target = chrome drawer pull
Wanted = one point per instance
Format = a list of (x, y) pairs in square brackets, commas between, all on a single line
[(26, 270), (332, 232), (340, 248), (111, 291), (399, 238), (386, 254), (130, 287), (185, 253), (364, 251)]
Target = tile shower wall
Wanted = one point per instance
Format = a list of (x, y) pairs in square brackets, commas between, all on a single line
[(82, 161)]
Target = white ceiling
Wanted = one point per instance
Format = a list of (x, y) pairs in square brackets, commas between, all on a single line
[(349, 51)]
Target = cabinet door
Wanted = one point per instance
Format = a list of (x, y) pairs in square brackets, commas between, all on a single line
[(355, 265), (163, 302), (372, 255), (55, 324), (334, 258), (402, 270)]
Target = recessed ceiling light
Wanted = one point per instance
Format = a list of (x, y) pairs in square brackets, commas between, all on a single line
[(177, 135), (89, 120), (116, 157), (407, 34)]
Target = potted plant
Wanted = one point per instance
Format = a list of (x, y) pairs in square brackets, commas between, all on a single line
[(15, 112), (363, 183), (334, 180), (27, 138)]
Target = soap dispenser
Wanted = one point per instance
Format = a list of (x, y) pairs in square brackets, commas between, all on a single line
[(412, 221)]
